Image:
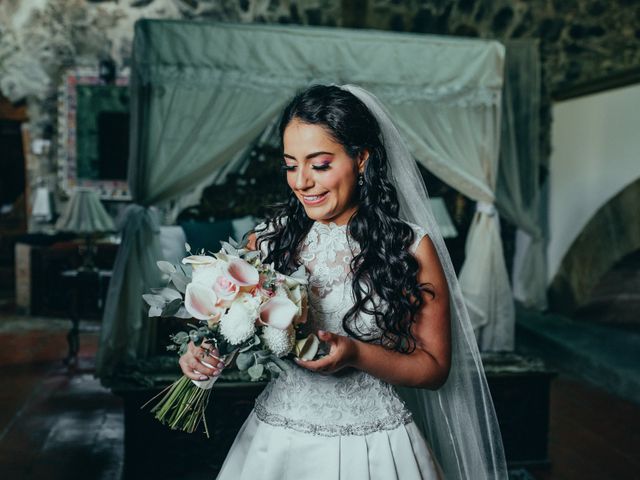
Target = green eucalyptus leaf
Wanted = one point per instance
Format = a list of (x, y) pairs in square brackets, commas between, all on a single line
[(154, 300), (196, 337), (274, 370), (255, 372), (167, 293), (244, 361), (166, 267), (180, 338), (229, 249), (283, 365), (171, 308), (180, 280), (182, 313), (262, 356)]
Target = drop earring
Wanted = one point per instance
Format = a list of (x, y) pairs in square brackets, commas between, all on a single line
[(360, 179)]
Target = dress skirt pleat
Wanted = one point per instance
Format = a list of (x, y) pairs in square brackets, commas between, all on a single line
[(270, 452)]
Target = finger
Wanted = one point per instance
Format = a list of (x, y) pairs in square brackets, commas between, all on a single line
[(217, 365), (330, 339), (315, 365), (215, 354), (193, 375), (201, 368), (189, 371), (207, 350)]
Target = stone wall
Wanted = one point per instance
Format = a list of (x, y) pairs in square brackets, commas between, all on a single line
[(581, 41)]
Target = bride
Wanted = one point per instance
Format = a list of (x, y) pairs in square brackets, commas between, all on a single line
[(384, 299)]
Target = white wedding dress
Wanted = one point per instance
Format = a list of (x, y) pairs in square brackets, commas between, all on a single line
[(348, 426)]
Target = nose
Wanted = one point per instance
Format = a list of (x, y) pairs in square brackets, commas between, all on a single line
[(303, 179)]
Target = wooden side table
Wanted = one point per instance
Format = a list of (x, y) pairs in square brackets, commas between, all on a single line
[(86, 288)]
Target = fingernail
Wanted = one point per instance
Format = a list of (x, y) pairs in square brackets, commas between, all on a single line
[(220, 365), (203, 378)]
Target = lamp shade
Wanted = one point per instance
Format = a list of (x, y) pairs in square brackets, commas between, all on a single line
[(85, 214)]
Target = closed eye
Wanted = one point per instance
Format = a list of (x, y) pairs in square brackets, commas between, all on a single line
[(314, 167)]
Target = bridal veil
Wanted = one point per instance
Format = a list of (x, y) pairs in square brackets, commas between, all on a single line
[(458, 420)]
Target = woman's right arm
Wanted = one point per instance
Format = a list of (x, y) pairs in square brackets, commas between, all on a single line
[(191, 363)]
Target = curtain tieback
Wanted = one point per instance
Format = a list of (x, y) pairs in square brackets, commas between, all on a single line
[(486, 207)]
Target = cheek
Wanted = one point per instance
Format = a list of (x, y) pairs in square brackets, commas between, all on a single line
[(291, 181), (332, 180), (345, 183)]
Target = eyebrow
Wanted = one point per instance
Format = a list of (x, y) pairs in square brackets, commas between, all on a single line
[(310, 156)]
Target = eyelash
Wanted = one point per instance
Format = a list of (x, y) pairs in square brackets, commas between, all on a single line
[(288, 168)]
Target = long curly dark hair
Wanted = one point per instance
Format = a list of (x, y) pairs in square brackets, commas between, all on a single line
[(384, 271)]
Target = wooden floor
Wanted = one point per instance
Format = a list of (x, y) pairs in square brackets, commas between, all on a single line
[(61, 424)]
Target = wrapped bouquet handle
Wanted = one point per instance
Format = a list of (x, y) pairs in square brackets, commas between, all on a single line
[(208, 384)]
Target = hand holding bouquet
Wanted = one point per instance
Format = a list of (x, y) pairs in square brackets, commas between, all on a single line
[(245, 310)]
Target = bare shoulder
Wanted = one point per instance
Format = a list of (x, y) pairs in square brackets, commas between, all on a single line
[(430, 268)]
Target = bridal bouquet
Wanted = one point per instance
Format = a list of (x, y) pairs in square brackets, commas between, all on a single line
[(243, 307)]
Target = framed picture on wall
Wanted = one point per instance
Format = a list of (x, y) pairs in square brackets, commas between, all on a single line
[(93, 133)]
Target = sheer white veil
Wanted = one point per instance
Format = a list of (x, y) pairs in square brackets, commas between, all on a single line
[(458, 420)]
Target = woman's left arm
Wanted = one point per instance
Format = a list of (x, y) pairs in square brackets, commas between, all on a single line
[(428, 365)]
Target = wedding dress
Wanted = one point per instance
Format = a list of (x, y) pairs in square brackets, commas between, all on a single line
[(350, 425)]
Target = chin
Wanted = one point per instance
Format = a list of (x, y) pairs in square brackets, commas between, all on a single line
[(317, 213)]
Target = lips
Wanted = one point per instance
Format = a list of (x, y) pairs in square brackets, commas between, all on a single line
[(314, 199)]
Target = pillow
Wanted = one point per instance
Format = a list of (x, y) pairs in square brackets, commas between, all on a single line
[(172, 239), (242, 225)]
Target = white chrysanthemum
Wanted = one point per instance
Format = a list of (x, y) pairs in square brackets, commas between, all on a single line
[(249, 302), (237, 325), (280, 342)]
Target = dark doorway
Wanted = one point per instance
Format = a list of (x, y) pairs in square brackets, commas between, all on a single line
[(13, 215)]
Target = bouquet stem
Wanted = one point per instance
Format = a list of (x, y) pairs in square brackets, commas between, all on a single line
[(182, 406), (183, 403)]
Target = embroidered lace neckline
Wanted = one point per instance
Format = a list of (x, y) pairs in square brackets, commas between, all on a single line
[(329, 226)]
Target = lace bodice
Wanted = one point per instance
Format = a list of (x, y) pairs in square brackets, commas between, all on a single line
[(350, 402)]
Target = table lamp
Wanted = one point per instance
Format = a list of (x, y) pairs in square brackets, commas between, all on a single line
[(85, 216)]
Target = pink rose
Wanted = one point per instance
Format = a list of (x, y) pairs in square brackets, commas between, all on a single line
[(226, 290)]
